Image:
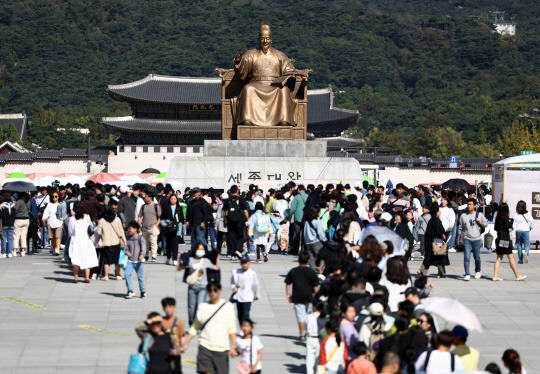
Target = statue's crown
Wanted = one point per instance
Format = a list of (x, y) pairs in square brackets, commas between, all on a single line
[(265, 27)]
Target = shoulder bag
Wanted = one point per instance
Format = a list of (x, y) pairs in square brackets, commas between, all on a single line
[(439, 247), (212, 316), (321, 369), (232, 299), (138, 361)]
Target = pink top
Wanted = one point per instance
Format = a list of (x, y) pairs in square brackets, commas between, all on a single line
[(361, 366)]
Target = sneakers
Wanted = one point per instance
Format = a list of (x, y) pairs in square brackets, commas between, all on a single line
[(525, 257), (478, 275), (105, 279), (520, 262), (467, 278), (94, 276), (252, 254), (168, 261), (265, 259), (143, 295), (129, 295), (284, 253), (3, 255), (10, 255), (56, 253), (119, 278), (258, 260), (23, 254), (452, 250), (239, 254), (153, 259), (521, 277), (175, 263)]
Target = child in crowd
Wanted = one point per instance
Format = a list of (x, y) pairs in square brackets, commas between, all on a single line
[(173, 325), (136, 250), (260, 229), (425, 289), (283, 236), (361, 365), (275, 221), (250, 348), (313, 344)]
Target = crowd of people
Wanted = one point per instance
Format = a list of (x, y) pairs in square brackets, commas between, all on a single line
[(358, 308)]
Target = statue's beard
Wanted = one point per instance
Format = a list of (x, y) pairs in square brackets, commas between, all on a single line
[(265, 48)]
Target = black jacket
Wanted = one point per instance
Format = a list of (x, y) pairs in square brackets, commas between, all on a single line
[(7, 214), (198, 211), (178, 215)]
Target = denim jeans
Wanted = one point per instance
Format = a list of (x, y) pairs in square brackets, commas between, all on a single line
[(44, 236), (138, 267), (198, 235), (196, 296), (451, 240), (213, 237), (473, 245), (7, 239), (243, 310), (522, 242)]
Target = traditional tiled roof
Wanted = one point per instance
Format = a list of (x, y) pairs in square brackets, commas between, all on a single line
[(170, 90), (321, 107), (172, 126), (19, 120)]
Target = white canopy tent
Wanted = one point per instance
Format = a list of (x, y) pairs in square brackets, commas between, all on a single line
[(518, 178)]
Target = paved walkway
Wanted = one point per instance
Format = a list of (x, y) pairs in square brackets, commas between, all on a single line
[(48, 324)]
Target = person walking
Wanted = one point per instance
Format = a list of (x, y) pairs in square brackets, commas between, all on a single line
[(22, 222), (197, 290), (216, 323), (435, 231), (260, 229), (135, 251), (421, 226), (250, 348), (81, 248), (440, 360), (447, 217), (149, 219), (161, 347), (470, 228), (54, 224), (220, 226), (523, 224), (112, 240), (173, 325), (503, 243), (305, 284), (171, 222), (314, 236), (34, 223), (296, 212), (333, 356), (245, 287), (7, 215), (198, 214), (235, 214)]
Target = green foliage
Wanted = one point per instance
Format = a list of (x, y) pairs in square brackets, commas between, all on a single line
[(396, 62), (10, 133)]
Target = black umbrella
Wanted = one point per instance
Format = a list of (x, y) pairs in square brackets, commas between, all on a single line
[(456, 184), (19, 186), (150, 170)]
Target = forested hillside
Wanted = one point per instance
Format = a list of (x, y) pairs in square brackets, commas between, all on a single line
[(427, 77)]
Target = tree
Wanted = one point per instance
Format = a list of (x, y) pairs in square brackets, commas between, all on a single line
[(518, 137), (10, 133)]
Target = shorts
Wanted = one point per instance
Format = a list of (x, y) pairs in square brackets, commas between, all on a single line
[(55, 233), (212, 362), (301, 311)]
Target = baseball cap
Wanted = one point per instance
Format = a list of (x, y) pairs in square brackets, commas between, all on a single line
[(386, 217), (195, 189), (410, 291), (460, 332), (376, 309), (245, 258), (224, 196), (125, 189), (358, 186)]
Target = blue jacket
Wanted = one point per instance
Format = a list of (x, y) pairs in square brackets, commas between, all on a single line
[(315, 234), (34, 211)]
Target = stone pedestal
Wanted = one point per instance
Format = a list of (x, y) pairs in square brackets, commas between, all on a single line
[(265, 163), (270, 132)]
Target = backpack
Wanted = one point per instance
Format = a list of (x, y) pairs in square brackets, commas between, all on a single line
[(376, 335), (234, 213), (262, 224)]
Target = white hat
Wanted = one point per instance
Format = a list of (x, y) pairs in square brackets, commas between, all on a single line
[(125, 189), (358, 186), (376, 309), (386, 217), (224, 196)]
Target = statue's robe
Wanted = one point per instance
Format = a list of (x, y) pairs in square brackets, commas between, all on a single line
[(264, 101)]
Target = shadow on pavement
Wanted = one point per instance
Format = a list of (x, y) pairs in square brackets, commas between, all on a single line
[(122, 295), (292, 368), (280, 336), (62, 280)]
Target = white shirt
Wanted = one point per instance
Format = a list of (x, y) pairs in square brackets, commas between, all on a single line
[(395, 295), (312, 326), (49, 215), (439, 363), (247, 284), (246, 347), (258, 199), (448, 218), (523, 222)]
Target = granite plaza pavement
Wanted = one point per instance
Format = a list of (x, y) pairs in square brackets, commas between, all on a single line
[(50, 325)]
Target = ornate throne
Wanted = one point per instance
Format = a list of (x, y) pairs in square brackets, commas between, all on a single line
[(231, 86)]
